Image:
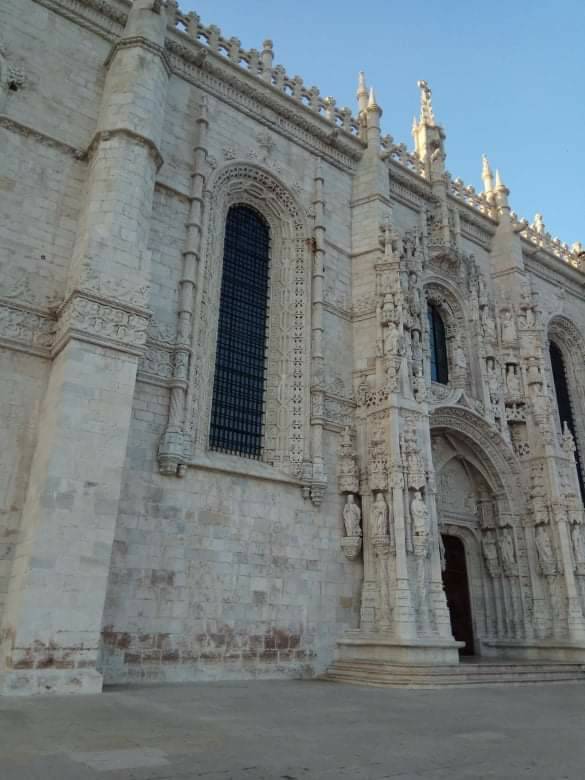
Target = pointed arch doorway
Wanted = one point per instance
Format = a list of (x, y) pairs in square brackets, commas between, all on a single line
[(456, 584), (479, 503)]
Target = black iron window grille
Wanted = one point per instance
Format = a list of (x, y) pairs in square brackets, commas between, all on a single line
[(564, 407), (240, 366), (439, 362)]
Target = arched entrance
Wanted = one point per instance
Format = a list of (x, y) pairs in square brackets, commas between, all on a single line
[(456, 584), (478, 495)]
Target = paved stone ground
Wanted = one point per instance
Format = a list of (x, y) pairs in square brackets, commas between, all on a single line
[(296, 731)]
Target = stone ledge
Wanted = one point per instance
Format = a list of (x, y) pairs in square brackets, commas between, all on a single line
[(233, 464)]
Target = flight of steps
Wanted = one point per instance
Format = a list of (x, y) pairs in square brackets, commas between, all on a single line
[(380, 673)]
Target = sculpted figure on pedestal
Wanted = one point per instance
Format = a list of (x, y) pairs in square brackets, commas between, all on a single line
[(490, 553), (508, 328), (420, 522), (507, 549), (351, 517), (380, 516), (544, 549)]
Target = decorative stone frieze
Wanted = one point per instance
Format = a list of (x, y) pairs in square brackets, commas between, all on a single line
[(102, 323)]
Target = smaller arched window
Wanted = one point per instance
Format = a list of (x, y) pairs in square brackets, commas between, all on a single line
[(563, 395), (438, 345)]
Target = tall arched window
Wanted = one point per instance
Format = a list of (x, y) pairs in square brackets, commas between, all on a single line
[(240, 365), (564, 401), (438, 344)]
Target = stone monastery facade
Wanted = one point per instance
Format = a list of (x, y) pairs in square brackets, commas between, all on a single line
[(269, 382)]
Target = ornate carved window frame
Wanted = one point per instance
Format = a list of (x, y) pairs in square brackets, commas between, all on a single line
[(286, 437), (438, 294), (569, 339)]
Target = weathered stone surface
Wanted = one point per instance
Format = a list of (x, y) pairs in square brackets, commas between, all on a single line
[(130, 550)]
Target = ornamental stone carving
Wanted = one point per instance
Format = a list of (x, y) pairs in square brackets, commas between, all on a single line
[(380, 525), (90, 319), (348, 472), (420, 525), (352, 517)]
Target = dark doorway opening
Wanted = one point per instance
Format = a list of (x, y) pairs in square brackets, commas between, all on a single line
[(456, 586)]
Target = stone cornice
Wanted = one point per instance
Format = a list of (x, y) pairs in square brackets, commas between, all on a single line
[(106, 19), (105, 135), (137, 41), (26, 328), (227, 82), (7, 123)]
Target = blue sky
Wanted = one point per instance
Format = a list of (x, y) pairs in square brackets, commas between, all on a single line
[(508, 79)]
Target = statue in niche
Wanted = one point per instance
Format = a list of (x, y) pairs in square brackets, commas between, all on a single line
[(380, 516), (508, 328), (420, 520), (352, 516), (544, 550), (488, 326), (388, 309), (391, 339), (490, 553), (513, 380), (507, 548)]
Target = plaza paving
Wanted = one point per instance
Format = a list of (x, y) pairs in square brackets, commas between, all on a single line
[(296, 730)]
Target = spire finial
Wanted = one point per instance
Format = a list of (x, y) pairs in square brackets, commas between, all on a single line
[(486, 175), (426, 106), (362, 91), (501, 192), (372, 99)]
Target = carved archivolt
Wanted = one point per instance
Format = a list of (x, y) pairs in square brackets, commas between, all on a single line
[(499, 463), (287, 406), (440, 295)]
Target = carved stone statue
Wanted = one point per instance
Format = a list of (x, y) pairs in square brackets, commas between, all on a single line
[(391, 339), (351, 517), (507, 549), (508, 328), (380, 516), (420, 522), (544, 549), (490, 553), (513, 380)]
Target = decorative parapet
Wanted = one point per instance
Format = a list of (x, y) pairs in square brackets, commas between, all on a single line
[(399, 153), (468, 195), (537, 235), (260, 64)]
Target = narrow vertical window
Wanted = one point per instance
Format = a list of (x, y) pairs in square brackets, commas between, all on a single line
[(240, 367), (564, 401), (438, 345)]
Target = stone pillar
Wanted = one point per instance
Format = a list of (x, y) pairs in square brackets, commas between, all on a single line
[(174, 448), (52, 623)]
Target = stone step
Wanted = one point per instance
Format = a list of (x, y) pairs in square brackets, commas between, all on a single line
[(378, 673)]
